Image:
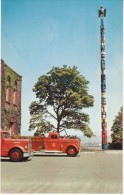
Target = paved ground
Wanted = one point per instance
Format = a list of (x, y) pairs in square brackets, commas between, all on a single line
[(91, 172)]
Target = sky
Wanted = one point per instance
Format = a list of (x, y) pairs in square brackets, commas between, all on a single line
[(39, 34)]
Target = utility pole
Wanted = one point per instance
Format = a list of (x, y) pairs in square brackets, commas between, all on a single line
[(102, 14)]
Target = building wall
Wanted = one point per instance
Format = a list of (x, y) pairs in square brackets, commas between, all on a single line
[(10, 99)]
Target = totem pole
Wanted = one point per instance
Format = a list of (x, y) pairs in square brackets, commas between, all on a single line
[(102, 14)]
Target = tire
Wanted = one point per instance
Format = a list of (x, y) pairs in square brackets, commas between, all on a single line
[(16, 155), (71, 151)]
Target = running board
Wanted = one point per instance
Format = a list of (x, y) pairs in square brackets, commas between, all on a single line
[(52, 151), (48, 151)]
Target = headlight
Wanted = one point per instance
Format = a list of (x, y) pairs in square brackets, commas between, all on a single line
[(25, 146)]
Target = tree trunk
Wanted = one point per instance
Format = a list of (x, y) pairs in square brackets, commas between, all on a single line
[(58, 125)]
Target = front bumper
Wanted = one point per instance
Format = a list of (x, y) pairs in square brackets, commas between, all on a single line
[(26, 154)]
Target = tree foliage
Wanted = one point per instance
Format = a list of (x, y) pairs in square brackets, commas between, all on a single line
[(37, 120), (62, 94), (117, 127)]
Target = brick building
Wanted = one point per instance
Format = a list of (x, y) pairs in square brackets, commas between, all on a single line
[(10, 99)]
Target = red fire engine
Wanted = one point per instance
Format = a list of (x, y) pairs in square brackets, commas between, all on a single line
[(54, 143), (15, 149)]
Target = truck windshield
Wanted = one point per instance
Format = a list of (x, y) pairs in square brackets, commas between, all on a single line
[(54, 136), (6, 135)]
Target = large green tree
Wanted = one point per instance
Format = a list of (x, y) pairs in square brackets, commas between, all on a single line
[(117, 127), (62, 94)]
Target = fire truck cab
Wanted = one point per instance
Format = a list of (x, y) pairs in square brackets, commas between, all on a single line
[(15, 149)]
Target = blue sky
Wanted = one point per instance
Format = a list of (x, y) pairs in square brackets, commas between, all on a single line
[(39, 34)]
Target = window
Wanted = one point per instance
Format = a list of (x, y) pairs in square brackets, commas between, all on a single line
[(8, 90), (53, 136), (6, 135), (15, 92)]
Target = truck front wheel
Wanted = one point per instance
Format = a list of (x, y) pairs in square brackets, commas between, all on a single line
[(71, 151), (16, 155)]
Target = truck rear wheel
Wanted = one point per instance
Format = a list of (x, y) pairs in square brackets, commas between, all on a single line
[(71, 151), (16, 155)]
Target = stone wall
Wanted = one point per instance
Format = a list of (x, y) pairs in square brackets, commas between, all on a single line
[(10, 99)]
